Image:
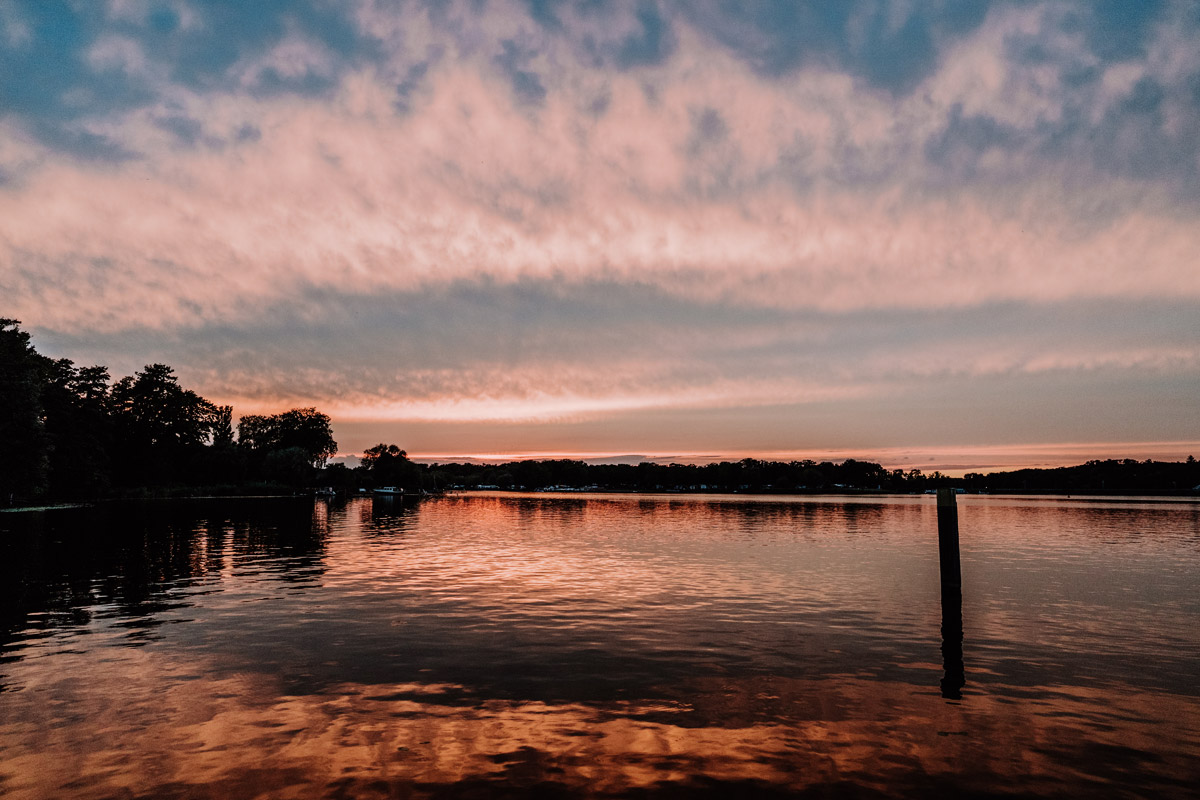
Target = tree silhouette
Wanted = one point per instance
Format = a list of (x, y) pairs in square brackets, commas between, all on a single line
[(158, 410), (25, 464), (388, 465), (305, 429), (79, 428)]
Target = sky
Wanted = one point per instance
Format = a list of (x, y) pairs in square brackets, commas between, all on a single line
[(962, 235)]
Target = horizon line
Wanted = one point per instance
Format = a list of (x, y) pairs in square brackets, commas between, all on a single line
[(947, 459)]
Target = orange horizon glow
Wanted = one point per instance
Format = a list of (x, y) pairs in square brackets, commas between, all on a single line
[(947, 460)]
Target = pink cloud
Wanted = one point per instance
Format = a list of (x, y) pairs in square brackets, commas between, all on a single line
[(697, 179)]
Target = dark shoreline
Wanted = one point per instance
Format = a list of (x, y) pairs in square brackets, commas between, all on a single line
[(1157, 497)]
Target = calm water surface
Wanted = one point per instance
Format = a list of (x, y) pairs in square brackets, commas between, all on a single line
[(599, 645)]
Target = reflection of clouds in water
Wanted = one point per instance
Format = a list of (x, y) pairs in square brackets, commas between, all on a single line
[(602, 645), (159, 733), (611, 557)]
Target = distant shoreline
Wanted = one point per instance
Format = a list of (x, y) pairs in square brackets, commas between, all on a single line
[(1165, 496), (150, 499), (1189, 497), (48, 507)]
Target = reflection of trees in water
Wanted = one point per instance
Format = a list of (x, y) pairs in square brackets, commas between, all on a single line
[(758, 518), (1093, 519), (741, 516), (383, 515), (554, 512), (133, 559), (530, 512), (648, 506)]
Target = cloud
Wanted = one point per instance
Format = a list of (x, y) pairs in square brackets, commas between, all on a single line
[(295, 63), (556, 349), (15, 28), (120, 53), (512, 210)]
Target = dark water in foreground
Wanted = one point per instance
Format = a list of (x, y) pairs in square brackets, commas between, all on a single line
[(560, 646)]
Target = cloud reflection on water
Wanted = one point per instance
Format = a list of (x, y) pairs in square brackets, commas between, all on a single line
[(239, 737), (594, 645)]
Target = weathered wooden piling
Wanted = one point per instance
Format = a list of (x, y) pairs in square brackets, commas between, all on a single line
[(954, 677), (947, 516)]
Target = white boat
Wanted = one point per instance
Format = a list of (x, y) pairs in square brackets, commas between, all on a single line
[(389, 491), (325, 491)]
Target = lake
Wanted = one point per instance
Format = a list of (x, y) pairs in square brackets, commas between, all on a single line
[(576, 645)]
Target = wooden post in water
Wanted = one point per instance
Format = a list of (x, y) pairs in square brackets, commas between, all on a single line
[(947, 515), (952, 628)]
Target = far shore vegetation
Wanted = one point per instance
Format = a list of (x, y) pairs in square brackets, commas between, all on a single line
[(73, 434)]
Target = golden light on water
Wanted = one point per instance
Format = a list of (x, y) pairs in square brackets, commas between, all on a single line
[(237, 736), (598, 645)]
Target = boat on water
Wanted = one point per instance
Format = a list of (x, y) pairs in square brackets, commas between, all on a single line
[(325, 491), (389, 491)]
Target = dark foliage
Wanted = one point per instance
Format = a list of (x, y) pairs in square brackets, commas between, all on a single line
[(1112, 477), (25, 464), (303, 429), (68, 434), (388, 465)]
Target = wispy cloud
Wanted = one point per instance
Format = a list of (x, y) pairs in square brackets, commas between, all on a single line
[(549, 211)]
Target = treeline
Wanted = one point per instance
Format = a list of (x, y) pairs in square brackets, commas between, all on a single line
[(752, 475), (71, 432), (747, 475), (1111, 477)]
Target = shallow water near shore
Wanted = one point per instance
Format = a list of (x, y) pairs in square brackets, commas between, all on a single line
[(598, 645)]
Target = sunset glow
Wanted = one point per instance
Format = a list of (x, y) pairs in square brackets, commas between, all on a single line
[(950, 239)]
